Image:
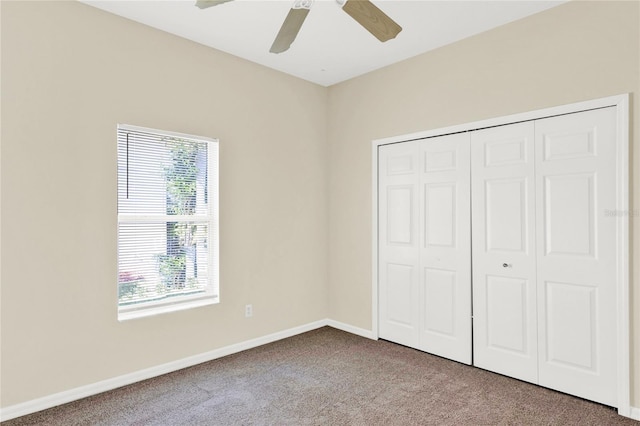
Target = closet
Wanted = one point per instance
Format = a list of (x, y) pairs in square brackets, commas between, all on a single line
[(496, 247)]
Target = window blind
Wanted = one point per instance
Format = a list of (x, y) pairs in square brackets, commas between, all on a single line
[(167, 218)]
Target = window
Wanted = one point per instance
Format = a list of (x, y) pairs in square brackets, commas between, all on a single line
[(167, 221)]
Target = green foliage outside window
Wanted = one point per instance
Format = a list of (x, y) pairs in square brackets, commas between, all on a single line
[(181, 179)]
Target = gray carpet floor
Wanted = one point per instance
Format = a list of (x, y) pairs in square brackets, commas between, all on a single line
[(329, 377)]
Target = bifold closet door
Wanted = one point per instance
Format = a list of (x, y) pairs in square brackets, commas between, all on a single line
[(398, 245), (504, 267), (544, 252), (445, 248), (424, 245), (576, 246)]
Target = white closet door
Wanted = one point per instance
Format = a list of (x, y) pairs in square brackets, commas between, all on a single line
[(504, 268), (445, 252), (576, 245), (398, 243)]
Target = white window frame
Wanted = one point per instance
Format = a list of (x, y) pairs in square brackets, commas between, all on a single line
[(211, 295)]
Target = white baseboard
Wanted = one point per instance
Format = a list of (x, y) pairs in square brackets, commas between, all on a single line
[(634, 413), (60, 398), (351, 329)]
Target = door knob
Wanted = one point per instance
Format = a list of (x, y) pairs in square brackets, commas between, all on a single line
[(506, 265)]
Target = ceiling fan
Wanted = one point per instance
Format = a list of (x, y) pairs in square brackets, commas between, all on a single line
[(363, 11)]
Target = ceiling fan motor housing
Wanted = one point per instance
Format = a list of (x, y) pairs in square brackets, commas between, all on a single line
[(303, 4)]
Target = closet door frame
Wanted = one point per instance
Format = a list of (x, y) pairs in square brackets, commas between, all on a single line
[(621, 103)]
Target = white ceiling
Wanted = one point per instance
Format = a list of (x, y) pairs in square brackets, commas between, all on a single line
[(331, 47)]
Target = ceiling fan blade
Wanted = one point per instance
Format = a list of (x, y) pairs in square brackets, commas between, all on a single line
[(289, 30), (203, 4), (372, 19)]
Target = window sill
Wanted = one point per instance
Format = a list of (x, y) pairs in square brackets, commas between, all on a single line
[(163, 309)]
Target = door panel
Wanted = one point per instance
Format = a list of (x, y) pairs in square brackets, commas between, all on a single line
[(570, 338), (577, 253), (505, 152), (400, 200), (569, 213), (504, 268), (440, 301), (506, 215), (445, 253), (398, 265), (577, 143), (507, 306), (400, 285), (440, 214)]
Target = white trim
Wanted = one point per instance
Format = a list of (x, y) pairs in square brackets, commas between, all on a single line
[(621, 102), (126, 313), (178, 135), (634, 413), (622, 232), (617, 100), (374, 242), (351, 329), (64, 397)]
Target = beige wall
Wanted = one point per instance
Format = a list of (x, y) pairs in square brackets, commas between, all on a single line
[(70, 73), (575, 52)]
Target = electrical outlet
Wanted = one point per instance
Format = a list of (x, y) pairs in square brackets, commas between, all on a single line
[(248, 311)]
